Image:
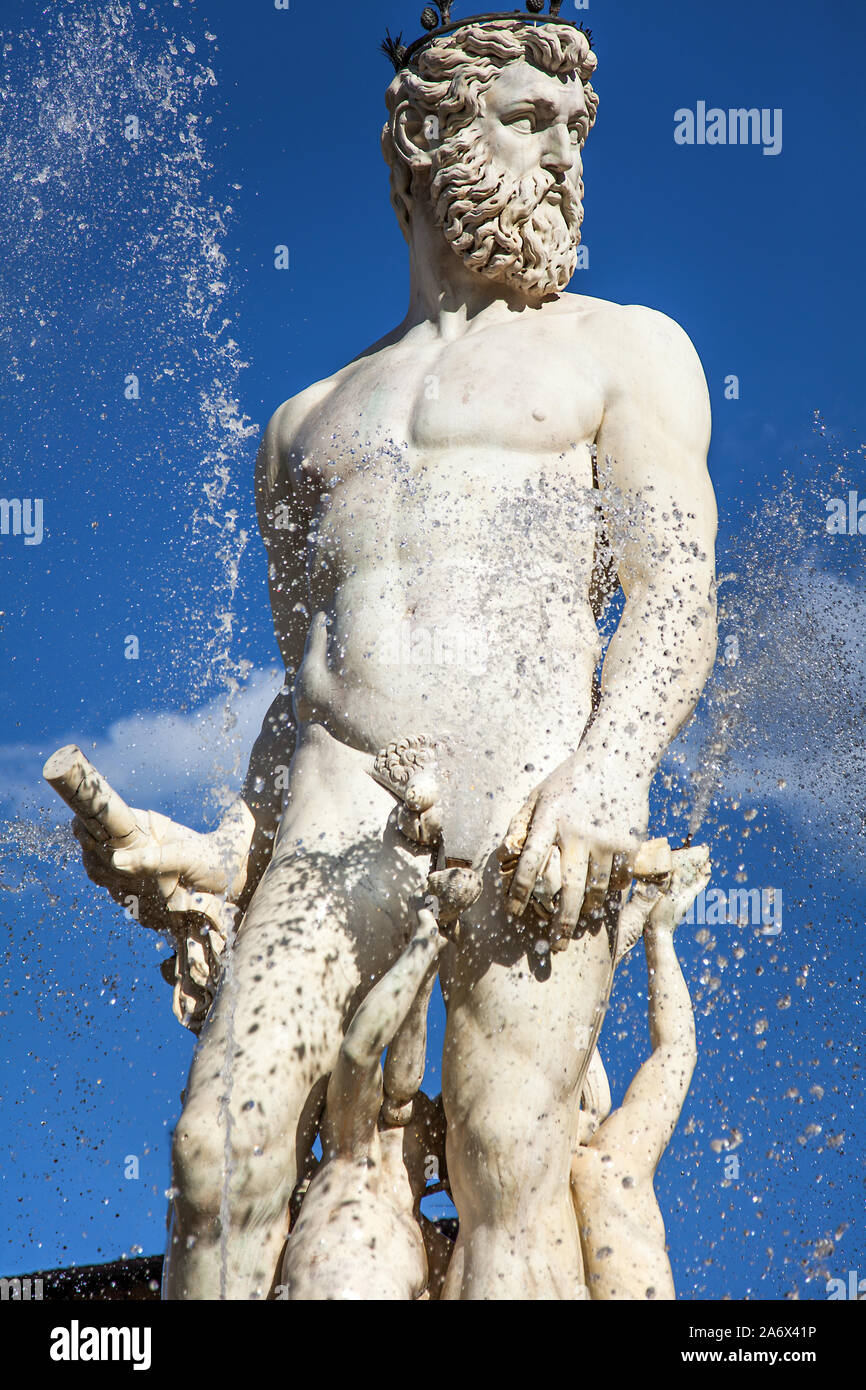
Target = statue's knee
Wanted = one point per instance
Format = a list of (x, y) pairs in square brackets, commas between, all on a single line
[(260, 1164), (198, 1158)]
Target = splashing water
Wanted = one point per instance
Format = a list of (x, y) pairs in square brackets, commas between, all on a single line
[(107, 159), (112, 213), (785, 706)]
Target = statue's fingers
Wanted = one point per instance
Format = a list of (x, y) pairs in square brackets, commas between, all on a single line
[(535, 851), (431, 824), (96, 869), (422, 791), (317, 639), (143, 859), (518, 829), (84, 837), (683, 893), (575, 868), (99, 873), (621, 873), (597, 882), (150, 858)]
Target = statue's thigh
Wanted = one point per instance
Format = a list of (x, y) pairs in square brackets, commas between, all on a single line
[(274, 1029), (519, 1021), (327, 920)]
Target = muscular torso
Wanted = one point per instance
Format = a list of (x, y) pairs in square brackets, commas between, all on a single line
[(451, 531)]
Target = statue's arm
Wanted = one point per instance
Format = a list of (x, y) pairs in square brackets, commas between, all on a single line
[(259, 806), (671, 1017), (642, 1126), (660, 514)]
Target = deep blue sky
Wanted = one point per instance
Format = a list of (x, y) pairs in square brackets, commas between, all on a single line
[(109, 268)]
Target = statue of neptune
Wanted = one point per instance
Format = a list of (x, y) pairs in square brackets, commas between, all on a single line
[(445, 518)]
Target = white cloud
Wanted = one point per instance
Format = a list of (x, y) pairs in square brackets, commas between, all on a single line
[(153, 759)]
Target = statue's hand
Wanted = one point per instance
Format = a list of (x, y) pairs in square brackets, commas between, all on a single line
[(690, 875), (596, 820), (164, 856)]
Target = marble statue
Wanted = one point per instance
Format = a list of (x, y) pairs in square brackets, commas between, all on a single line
[(622, 1233), (445, 518)]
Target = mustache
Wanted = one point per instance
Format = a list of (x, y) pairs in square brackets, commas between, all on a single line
[(468, 186), (570, 198)]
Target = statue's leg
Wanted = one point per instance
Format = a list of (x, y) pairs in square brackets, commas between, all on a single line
[(519, 1023), (327, 920)]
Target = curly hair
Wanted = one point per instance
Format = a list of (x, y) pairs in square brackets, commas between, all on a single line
[(455, 71)]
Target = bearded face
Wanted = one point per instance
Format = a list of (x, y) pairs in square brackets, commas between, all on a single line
[(502, 181), (522, 230)]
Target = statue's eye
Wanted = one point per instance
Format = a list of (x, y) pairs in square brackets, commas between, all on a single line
[(524, 125)]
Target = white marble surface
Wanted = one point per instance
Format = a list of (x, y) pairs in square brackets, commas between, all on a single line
[(443, 517)]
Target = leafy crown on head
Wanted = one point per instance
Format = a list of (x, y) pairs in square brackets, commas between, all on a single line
[(436, 19)]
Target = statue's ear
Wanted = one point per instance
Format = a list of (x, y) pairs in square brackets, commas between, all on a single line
[(415, 136)]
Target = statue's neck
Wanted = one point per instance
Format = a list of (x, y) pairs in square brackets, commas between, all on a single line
[(446, 293)]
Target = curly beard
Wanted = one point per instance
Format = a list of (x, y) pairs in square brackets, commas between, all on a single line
[(502, 226)]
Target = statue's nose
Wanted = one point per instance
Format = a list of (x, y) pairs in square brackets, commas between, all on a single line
[(559, 151)]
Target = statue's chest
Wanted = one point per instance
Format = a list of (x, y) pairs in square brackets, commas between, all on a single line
[(525, 398), (491, 394), (509, 391)]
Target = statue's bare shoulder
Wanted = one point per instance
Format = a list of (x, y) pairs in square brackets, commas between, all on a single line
[(288, 420), (648, 353), (280, 434)]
